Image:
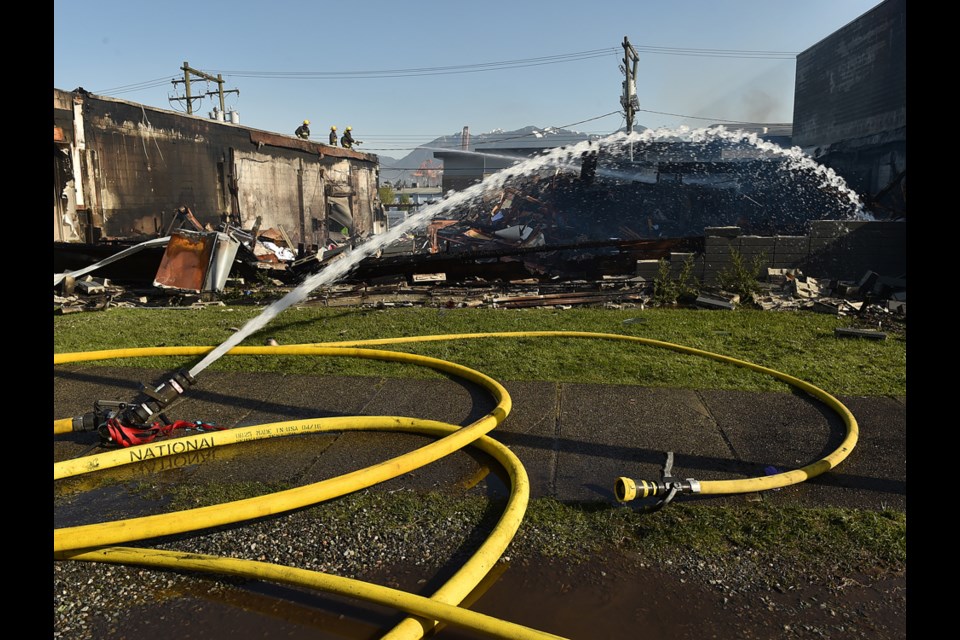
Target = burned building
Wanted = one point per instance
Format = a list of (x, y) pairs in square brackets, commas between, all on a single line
[(850, 107), (123, 171)]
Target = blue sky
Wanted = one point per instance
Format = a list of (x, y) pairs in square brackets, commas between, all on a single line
[(402, 74)]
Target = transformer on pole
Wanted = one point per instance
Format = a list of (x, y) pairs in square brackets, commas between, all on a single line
[(629, 97)]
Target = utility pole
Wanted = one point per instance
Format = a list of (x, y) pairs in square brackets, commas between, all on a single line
[(187, 72), (629, 67)]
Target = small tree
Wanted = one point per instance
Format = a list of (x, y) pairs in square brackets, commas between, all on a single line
[(404, 198), (387, 194), (687, 284)]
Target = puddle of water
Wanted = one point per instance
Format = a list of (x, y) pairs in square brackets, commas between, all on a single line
[(606, 598), (583, 602)]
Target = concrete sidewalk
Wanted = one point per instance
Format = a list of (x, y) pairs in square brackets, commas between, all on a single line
[(574, 439)]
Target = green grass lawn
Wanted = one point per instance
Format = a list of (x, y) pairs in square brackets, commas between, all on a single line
[(801, 344)]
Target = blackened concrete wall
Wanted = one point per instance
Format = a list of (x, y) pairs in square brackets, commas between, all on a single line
[(850, 103)]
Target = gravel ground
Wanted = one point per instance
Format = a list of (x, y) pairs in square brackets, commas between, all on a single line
[(748, 594)]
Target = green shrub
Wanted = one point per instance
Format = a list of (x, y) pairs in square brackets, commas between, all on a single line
[(740, 277), (664, 288), (668, 290)]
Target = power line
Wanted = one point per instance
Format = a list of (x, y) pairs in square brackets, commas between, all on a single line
[(509, 64), (466, 68), (572, 124), (138, 86), (486, 66), (680, 115), (423, 71), (456, 143), (718, 53)]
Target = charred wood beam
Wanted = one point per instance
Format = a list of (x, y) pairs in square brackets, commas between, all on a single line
[(545, 301), (660, 246)]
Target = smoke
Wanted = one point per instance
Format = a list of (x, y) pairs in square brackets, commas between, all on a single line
[(759, 105)]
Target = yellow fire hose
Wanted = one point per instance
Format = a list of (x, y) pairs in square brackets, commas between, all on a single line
[(94, 542)]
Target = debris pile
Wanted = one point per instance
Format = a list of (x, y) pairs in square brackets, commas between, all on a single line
[(790, 289)]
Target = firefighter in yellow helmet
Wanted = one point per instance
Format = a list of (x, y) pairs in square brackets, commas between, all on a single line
[(333, 136), (346, 140), (303, 131)]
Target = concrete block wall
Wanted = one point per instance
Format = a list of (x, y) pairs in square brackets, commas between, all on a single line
[(650, 269), (716, 255), (789, 251), (842, 250)]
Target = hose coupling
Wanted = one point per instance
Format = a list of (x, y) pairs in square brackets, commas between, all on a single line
[(146, 410), (627, 489)]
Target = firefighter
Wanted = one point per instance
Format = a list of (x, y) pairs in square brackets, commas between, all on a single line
[(346, 140), (333, 136), (303, 131)]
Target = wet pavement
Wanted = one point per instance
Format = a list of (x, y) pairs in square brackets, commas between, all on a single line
[(574, 440)]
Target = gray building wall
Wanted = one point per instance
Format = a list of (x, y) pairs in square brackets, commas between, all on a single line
[(133, 166), (462, 169), (850, 108)]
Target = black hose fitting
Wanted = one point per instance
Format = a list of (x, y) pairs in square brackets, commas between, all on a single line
[(144, 410)]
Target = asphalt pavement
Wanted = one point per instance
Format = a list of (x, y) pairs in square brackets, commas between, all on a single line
[(574, 440)]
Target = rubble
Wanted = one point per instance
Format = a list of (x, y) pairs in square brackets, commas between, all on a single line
[(794, 292), (848, 332), (712, 302), (520, 248), (90, 286)]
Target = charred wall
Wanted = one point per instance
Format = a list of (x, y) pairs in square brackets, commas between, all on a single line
[(850, 108), (137, 165)]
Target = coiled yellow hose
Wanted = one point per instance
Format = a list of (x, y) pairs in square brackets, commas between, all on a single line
[(94, 542)]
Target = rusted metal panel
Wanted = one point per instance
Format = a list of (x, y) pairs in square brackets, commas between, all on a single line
[(58, 134), (184, 264), (196, 261)]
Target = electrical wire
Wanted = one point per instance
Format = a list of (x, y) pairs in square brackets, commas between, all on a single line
[(759, 124), (423, 71), (718, 53), (470, 68), (138, 86)]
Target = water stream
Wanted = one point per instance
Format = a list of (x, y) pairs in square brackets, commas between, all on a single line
[(794, 165)]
